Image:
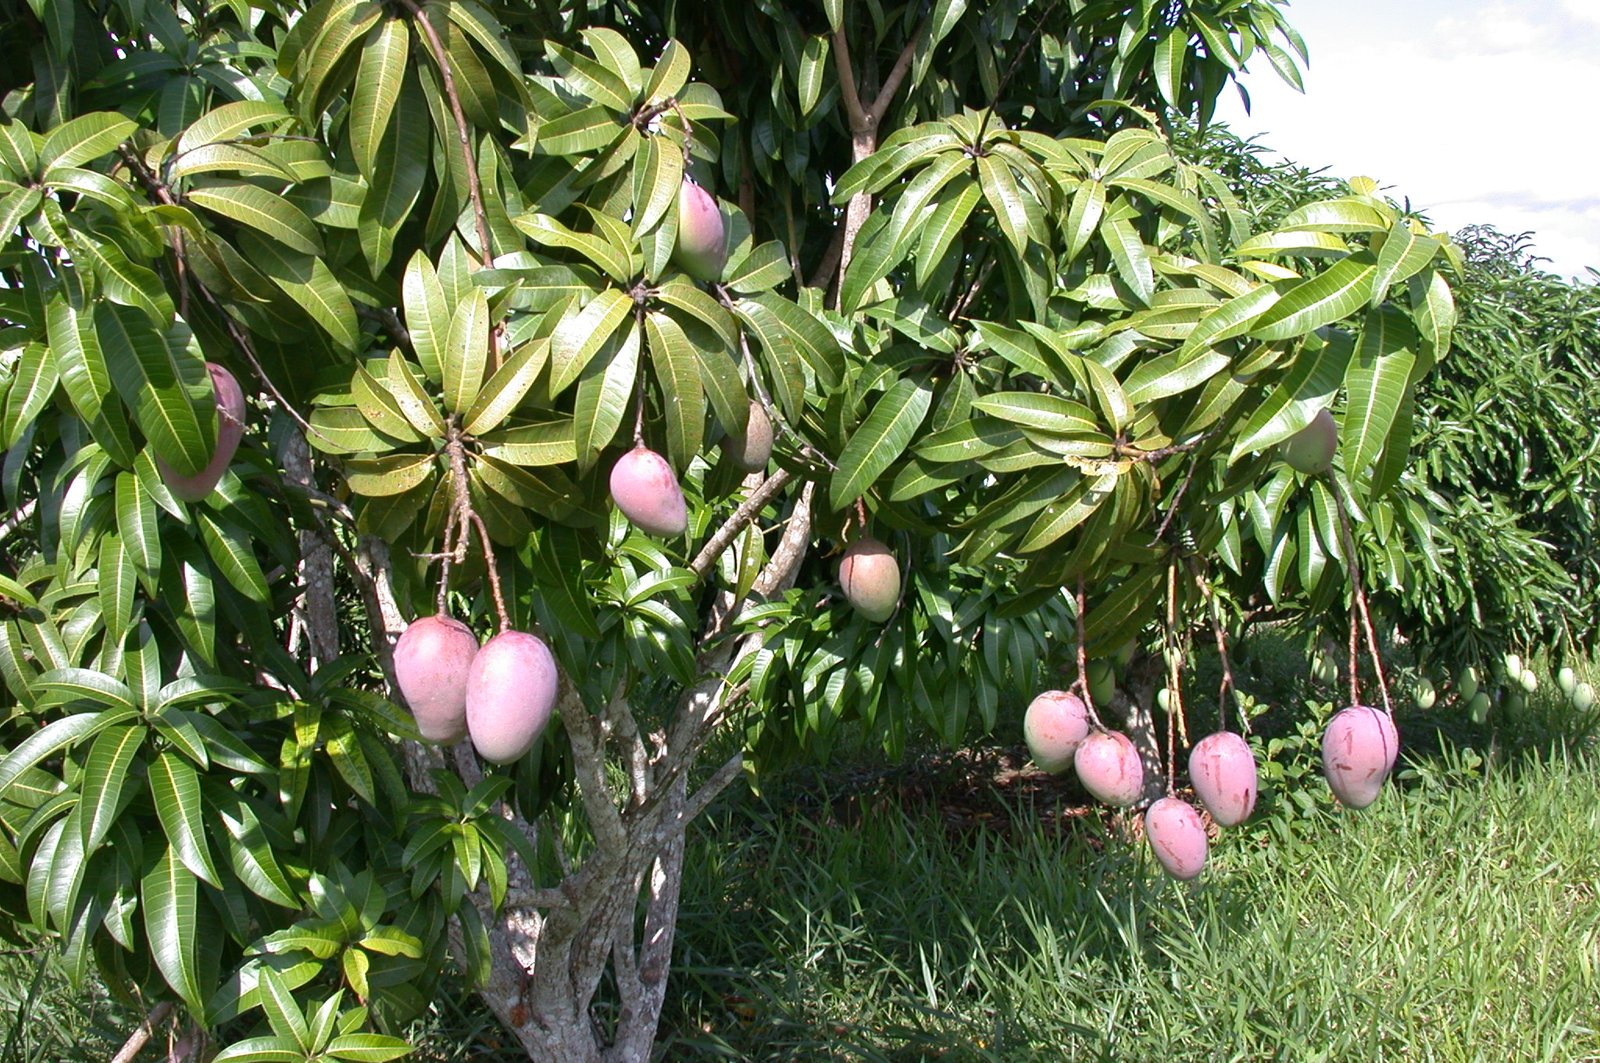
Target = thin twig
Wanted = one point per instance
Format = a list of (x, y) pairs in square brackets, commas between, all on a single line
[(1174, 693), (474, 185), (1016, 62), (1360, 607), (141, 1036), (740, 519), (494, 571), (1225, 687), (1082, 682)]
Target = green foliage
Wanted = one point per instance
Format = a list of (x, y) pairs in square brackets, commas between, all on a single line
[(1055, 354), (1506, 435), (1489, 538)]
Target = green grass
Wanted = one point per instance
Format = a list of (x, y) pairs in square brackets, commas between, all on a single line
[(952, 909), (1457, 919)]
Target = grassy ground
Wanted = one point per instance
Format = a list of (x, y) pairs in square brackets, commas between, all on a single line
[(1455, 920), (967, 908)]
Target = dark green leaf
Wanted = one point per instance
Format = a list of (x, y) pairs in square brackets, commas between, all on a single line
[(683, 400), (260, 210), (168, 897), (881, 439)]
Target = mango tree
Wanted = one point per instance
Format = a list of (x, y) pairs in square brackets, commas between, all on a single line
[(601, 334)]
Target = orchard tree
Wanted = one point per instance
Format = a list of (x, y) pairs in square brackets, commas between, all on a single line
[(734, 372)]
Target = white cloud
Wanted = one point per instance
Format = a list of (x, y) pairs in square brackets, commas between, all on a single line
[(1583, 10), (1460, 107)]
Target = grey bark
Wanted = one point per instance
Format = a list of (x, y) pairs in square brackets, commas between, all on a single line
[(315, 620), (551, 946), (1138, 723)]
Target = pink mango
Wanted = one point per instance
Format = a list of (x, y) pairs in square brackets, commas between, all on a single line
[(1177, 837), (1223, 770), (431, 661), (1055, 724), (230, 429), (511, 691), (1108, 766), (751, 451), (700, 251), (870, 576), (1311, 449), (644, 487), (1359, 749)]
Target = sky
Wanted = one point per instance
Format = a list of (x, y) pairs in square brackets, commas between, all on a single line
[(1479, 111)]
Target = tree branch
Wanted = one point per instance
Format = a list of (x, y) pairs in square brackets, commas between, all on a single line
[(23, 514), (140, 1037), (785, 560), (847, 81), (474, 186), (589, 769), (897, 74), (740, 519)]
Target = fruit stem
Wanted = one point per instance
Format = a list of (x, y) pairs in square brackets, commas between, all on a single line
[(638, 410), (1360, 609), (1225, 688), (494, 572), (1081, 684)]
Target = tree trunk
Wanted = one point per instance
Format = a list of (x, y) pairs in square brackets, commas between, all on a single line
[(615, 912)]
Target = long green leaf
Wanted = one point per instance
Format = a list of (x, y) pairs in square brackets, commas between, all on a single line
[(124, 281), (228, 121), (392, 474), (105, 773), (175, 791), (427, 314), (1338, 292), (1404, 254), (137, 528), (401, 383), (507, 387), (601, 402), (251, 856), (400, 168), (1005, 198), (683, 398), (1130, 257), (168, 897), (260, 210), (74, 686), (33, 383), (466, 352), (307, 280), (879, 441), (230, 549), (377, 88), (1375, 385), (117, 581), (86, 378), (1308, 387), (657, 176), (164, 387), (581, 334), (547, 443), (1048, 413), (1232, 318), (84, 139)]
